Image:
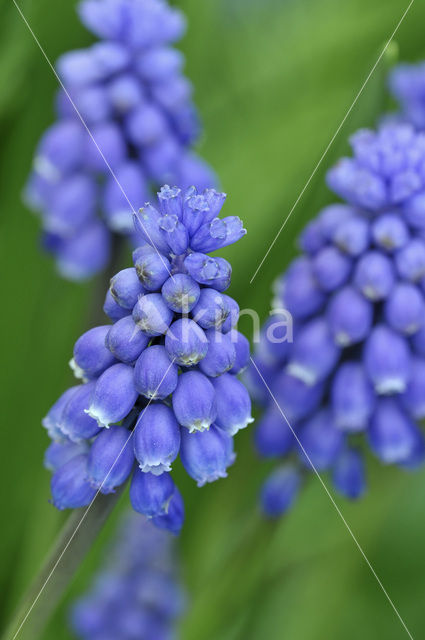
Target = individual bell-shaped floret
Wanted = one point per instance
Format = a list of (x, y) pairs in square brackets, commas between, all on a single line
[(181, 293), (126, 288), (206, 455), (374, 275), (352, 397), (155, 375), (152, 315), (114, 395), (348, 474), (112, 309), (273, 435), (331, 268), (156, 439), (280, 490), (393, 436), (386, 358), (194, 401), (186, 343), (405, 308), (211, 310), (320, 440), (152, 268), (233, 404), (75, 424), (91, 356), (69, 485), (314, 353), (221, 354), (52, 421), (59, 453), (350, 316), (242, 352), (172, 520), (111, 459), (125, 340), (151, 494)]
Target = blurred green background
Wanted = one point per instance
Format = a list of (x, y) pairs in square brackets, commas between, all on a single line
[(273, 80)]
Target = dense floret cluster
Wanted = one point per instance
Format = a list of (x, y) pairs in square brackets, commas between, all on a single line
[(131, 128), (407, 85), (355, 370), (161, 381), (138, 592)]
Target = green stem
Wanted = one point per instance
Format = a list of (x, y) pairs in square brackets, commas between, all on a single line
[(72, 545)]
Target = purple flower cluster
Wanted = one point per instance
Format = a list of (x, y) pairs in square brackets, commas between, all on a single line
[(138, 594), (161, 381), (407, 85), (356, 365), (140, 123)]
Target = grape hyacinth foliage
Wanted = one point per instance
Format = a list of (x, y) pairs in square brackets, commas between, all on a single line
[(137, 125), (138, 593), (161, 380), (354, 374)]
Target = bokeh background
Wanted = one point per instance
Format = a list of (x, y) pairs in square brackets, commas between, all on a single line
[(273, 80)]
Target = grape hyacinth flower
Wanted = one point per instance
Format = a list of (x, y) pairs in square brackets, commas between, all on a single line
[(161, 380), (356, 367), (132, 127), (138, 592)]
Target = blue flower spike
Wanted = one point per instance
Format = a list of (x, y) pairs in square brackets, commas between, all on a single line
[(157, 384)]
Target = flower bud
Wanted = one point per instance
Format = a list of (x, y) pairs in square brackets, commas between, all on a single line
[(59, 453), (156, 439), (206, 455), (152, 315), (273, 436), (69, 485), (242, 351), (181, 293), (393, 436), (233, 317), (233, 404), (114, 395), (146, 224), (280, 490), (125, 340), (75, 423), (211, 310), (194, 401), (410, 260), (112, 309), (111, 459), (350, 316), (353, 399), (218, 233), (357, 185), (348, 474), (173, 520), (301, 294), (332, 216), (220, 356), (321, 440), (389, 232), (126, 288), (91, 357), (213, 272), (155, 376), (374, 275), (404, 308), (152, 268), (150, 494), (314, 354), (331, 268), (386, 357), (311, 239), (185, 342)]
